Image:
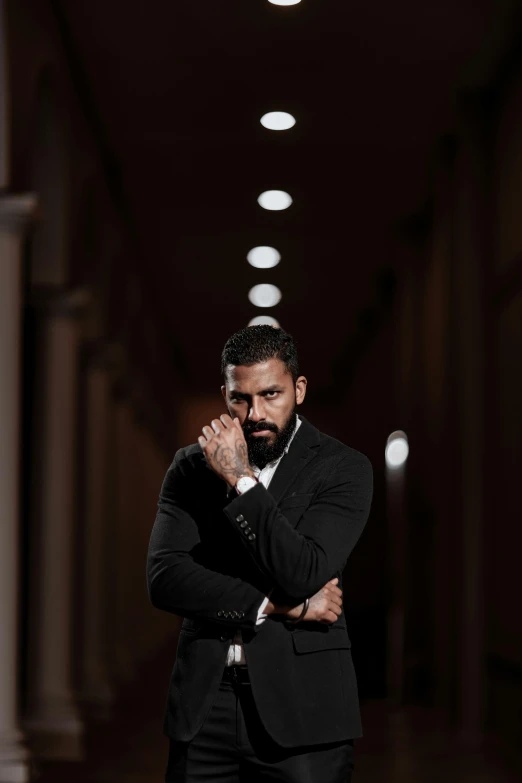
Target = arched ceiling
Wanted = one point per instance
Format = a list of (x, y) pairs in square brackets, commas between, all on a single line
[(179, 89)]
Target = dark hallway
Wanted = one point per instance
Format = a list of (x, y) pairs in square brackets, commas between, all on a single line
[(173, 172)]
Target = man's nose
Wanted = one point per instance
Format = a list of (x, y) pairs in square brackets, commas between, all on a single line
[(256, 412)]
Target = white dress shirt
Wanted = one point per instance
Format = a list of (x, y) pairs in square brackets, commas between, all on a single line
[(235, 653)]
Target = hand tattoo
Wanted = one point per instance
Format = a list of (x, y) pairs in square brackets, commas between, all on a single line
[(225, 449), (231, 461)]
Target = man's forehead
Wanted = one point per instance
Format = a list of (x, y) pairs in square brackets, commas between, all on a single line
[(261, 374)]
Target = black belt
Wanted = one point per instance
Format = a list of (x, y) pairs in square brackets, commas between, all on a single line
[(237, 674)]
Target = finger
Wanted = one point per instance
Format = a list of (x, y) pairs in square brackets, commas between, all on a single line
[(328, 618), (226, 420), (238, 424), (208, 432), (333, 581), (216, 425), (333, 590), (202, 441)]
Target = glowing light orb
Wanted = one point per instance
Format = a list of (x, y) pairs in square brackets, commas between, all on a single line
[(264, 295), (264, 319), (263, 257), (274, 200), (277, 120), (397, 449)]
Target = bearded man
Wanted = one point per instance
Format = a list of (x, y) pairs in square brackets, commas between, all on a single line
[(254, 526)]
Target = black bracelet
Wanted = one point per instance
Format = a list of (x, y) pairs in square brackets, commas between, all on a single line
[(305, 609)]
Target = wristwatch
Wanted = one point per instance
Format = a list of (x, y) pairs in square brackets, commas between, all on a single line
[(244, 483)]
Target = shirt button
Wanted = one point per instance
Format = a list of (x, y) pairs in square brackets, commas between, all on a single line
[(251, 536), (240, 518)]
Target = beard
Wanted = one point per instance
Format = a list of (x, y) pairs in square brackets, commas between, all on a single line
[(261, 450)]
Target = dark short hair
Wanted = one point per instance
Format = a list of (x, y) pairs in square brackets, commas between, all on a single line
[(255, 344)]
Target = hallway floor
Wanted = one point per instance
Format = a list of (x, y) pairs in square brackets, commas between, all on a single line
[(408, 745)]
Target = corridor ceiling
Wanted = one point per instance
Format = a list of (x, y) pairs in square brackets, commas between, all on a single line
[(179, 88)]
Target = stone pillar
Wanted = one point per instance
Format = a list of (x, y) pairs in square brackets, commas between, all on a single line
[(123, 652), (159, 625), (52, 718), (144, 510), (471, 247), (14, 214), (95, 688)]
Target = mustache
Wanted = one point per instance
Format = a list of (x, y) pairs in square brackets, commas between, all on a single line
[(248, 429)]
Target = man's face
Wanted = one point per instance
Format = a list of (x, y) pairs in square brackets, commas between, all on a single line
[(263, 397)]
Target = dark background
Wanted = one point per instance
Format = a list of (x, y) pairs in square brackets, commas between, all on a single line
[(135, 127)]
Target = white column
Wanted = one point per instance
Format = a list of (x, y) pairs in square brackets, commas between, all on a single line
[(14, 213), (96, 689), (52, 718)]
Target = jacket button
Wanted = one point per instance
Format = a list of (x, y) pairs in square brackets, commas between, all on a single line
[(241, 614), (220, 613), (223, 638), (244, 523), (235, 614), (240, 518), (251, 536)]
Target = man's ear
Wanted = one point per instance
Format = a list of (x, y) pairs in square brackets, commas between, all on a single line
[(300, 389), (224, 392)]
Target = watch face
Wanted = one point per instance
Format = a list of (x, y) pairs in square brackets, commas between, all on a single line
[(245, 483)]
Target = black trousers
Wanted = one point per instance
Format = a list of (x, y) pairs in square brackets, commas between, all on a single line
[(232, 746)]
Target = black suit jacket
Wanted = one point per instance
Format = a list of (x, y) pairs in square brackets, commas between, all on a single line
[(213, 559)]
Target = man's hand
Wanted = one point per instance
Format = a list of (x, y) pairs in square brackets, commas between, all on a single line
[(225, 449), (324, 607)]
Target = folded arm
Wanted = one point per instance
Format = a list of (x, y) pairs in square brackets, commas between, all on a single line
[(301, 561), (176, 582)]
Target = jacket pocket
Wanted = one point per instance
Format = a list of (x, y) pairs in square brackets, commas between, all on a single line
[(333, 639)]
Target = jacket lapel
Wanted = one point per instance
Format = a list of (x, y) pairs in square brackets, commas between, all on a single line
[(303, 449)]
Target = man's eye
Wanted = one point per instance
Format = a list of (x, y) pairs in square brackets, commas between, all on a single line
[(272, 393)]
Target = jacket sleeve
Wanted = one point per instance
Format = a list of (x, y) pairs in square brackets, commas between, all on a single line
[(302, 561), (178, 584)]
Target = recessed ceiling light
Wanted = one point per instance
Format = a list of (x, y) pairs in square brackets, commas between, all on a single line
[(277, 120), (264, 319), (264, 295), (274, 199), (263, 257), (284, 2)]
